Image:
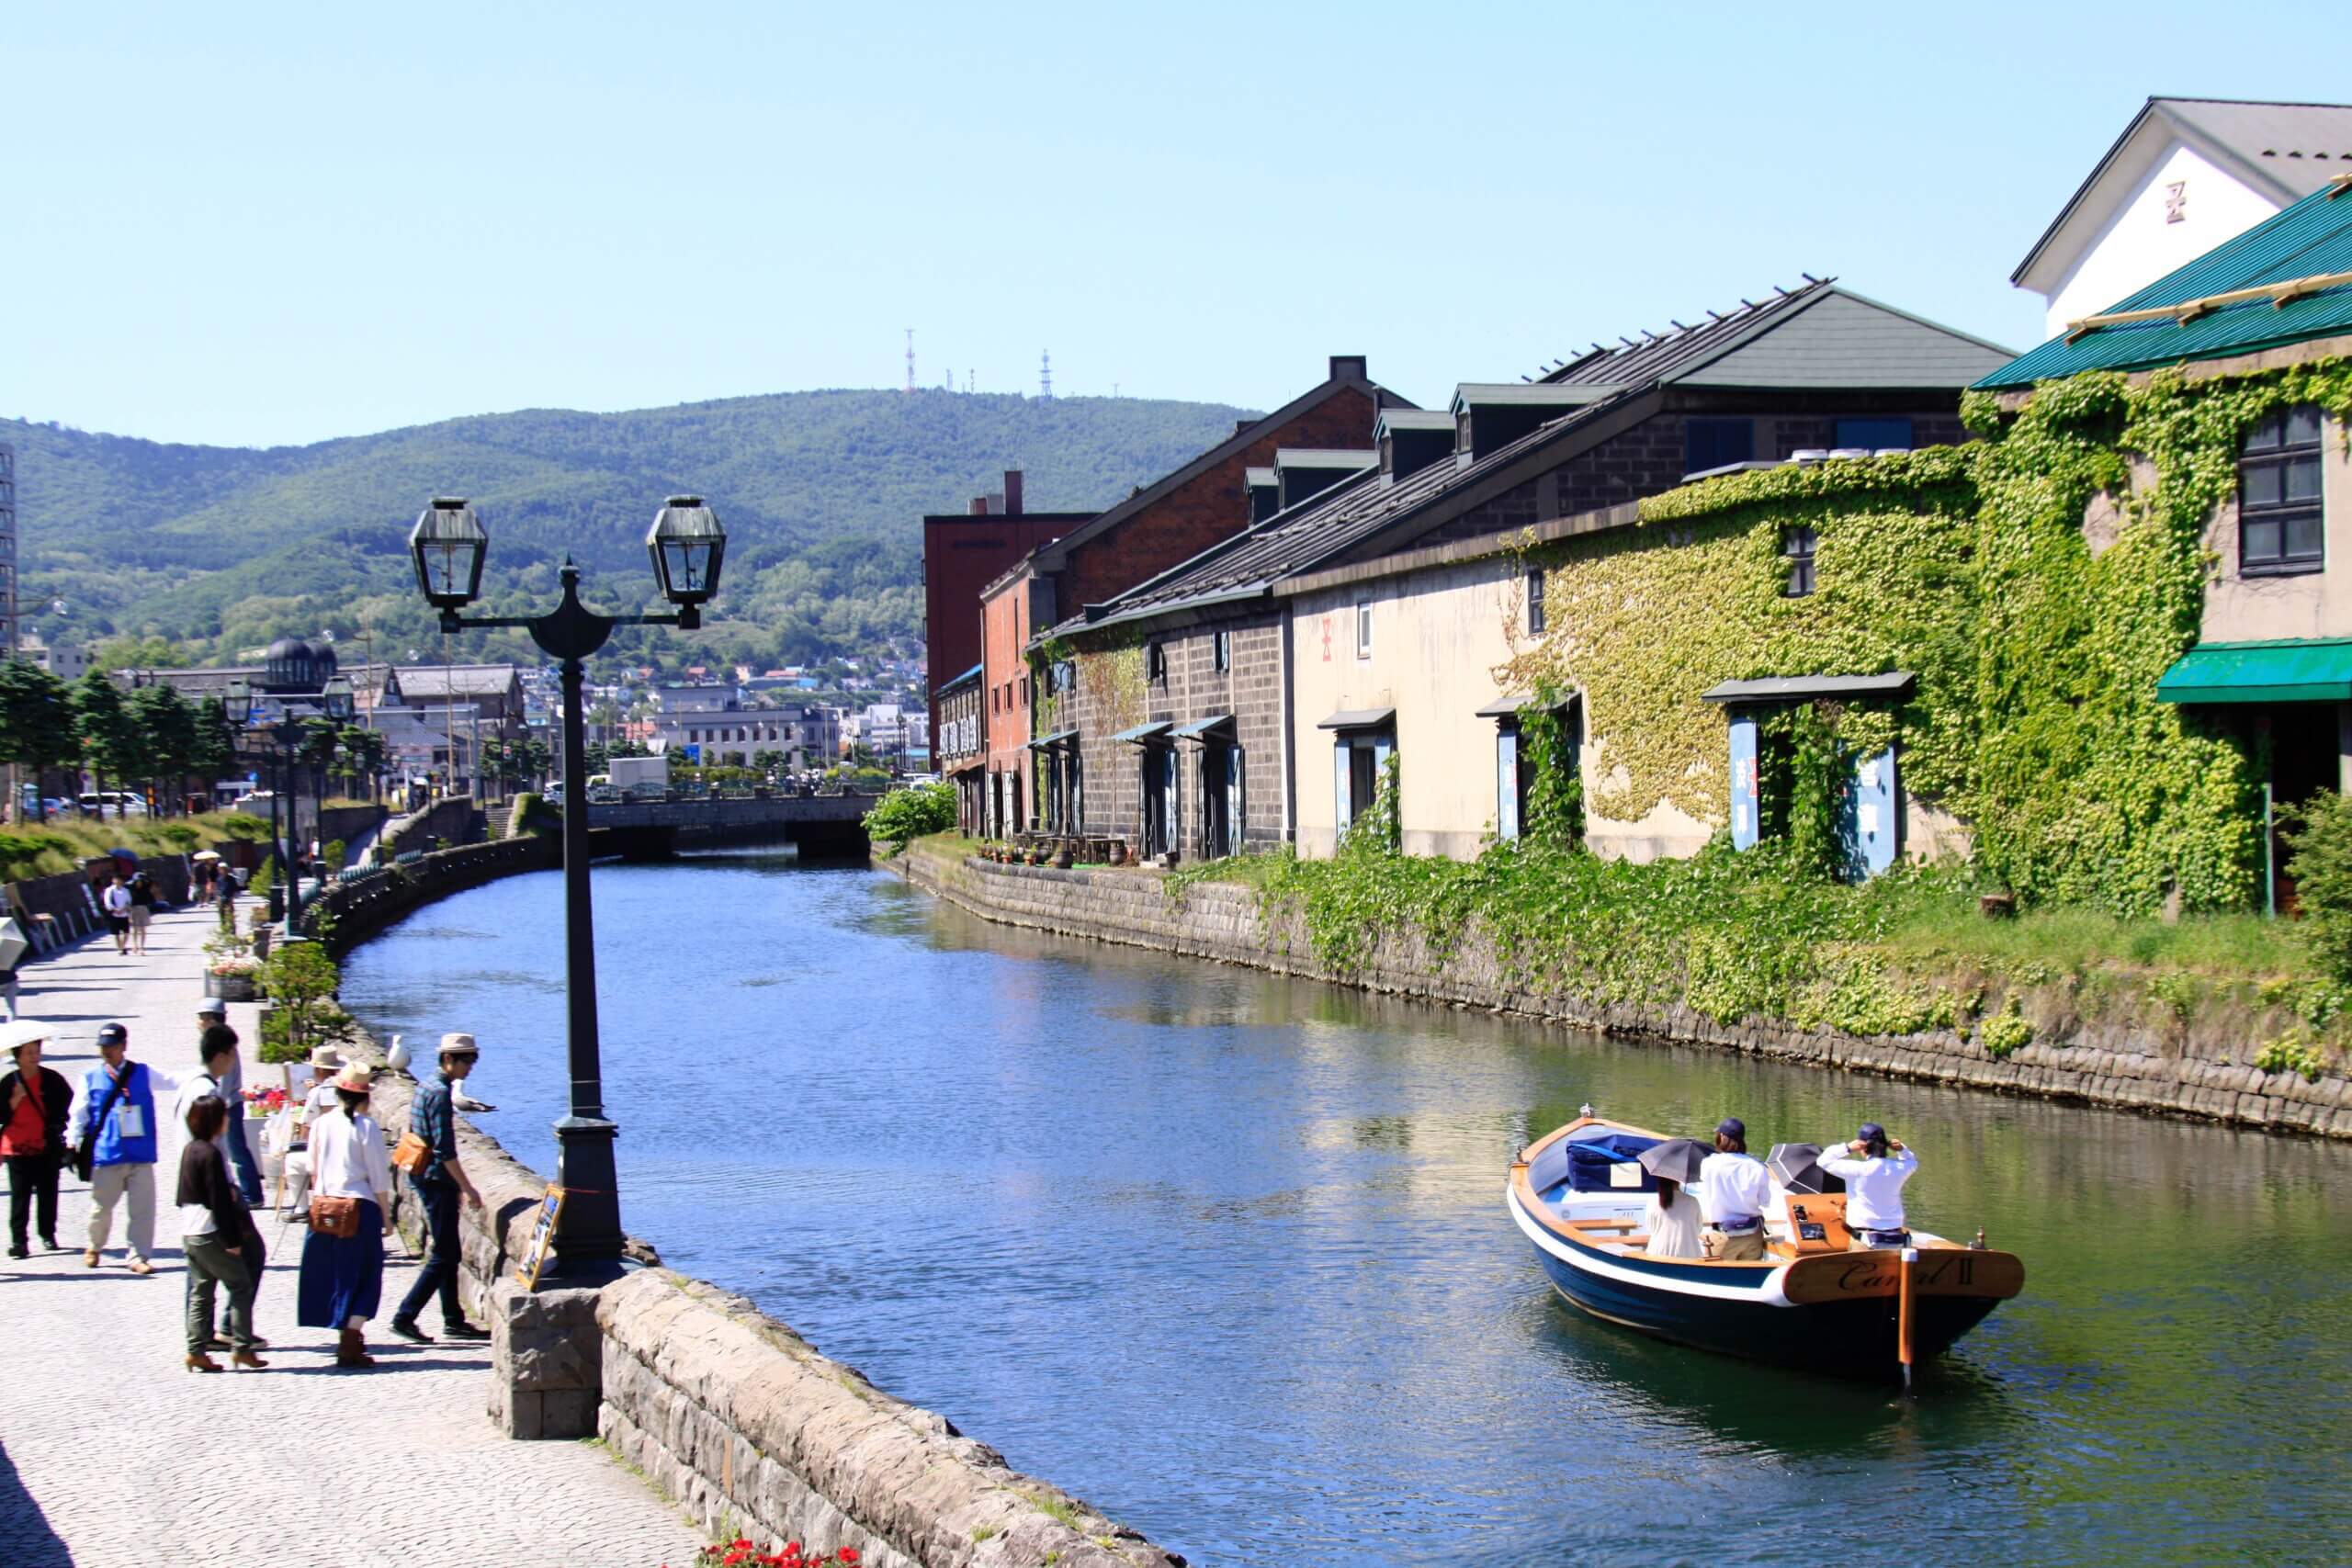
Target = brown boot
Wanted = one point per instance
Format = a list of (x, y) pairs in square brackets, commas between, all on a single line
[(247, 1358), (198, 1361), (351, 1350)]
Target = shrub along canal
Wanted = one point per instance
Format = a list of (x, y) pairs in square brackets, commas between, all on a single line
[(1225, 1254)]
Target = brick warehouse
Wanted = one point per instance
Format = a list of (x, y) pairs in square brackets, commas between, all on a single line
[(962, 553), (1161, 525), (1167, 720)]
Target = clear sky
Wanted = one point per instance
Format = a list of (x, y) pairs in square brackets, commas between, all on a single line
[(255, 224)]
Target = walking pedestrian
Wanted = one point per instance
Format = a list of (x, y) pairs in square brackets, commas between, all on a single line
[(35, 1102), (214, 1032), (216, 1233), (112, 1134), (441, 1183), (142, 910), (351, 1194), (116, 902)]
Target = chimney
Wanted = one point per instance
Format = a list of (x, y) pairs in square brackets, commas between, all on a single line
[(979, 506), (1013, 492), (1350, 367)]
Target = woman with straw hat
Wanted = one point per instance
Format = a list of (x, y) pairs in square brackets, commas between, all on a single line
[(341, 1281), (34, 1104)]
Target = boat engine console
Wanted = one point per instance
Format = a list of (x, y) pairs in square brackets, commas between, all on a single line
[(1816, 1222)]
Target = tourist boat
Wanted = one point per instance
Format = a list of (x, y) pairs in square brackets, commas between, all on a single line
[(1581, 1194)]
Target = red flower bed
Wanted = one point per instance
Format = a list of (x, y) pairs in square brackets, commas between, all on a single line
[(741, 1553)]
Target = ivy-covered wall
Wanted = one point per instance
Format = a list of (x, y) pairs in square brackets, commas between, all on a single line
[(1643, 620), (2037, 647)]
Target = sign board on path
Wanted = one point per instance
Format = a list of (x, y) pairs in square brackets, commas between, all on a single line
[(535, 1252)]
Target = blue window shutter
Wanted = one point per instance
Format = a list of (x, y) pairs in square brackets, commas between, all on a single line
[(1507, 783), (1339, 760), (1876, 830), (1745, 794)]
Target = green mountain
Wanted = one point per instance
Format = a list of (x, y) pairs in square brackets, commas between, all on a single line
[(227, 548)]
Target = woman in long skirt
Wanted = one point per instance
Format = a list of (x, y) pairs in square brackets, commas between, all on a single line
[(341, 1281)]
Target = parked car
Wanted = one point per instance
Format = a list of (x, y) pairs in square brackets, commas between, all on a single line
[(116, 802)]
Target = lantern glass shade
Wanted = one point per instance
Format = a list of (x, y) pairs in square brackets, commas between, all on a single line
[(237, 703), (448, 544), (687, 544), (336, 699)]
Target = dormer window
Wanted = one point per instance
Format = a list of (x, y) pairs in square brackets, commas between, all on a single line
[(2280, 509)]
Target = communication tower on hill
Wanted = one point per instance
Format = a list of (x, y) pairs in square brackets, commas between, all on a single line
[(1046, 375), (910, 359)]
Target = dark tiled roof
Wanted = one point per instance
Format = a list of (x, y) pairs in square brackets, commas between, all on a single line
[(1660, 356)]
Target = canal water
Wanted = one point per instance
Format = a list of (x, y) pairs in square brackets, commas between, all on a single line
[(1226, 1255)]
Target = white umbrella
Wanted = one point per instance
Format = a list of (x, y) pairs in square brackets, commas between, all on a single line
[(206, 855)]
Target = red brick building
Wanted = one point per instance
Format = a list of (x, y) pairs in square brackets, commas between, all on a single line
[(1162, 525), (962, 553)]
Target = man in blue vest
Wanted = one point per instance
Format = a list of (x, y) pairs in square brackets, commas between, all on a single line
[(115, 1111)]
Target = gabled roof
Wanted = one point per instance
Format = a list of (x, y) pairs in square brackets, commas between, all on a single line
[(1049, 558), (1826, 326), (1816, 335), (2311, 240), (2284, 150)]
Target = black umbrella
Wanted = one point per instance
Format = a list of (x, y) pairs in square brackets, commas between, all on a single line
[(1799, 1168), (1677, 1159)]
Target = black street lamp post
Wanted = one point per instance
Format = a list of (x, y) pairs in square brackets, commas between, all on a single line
[(334, 703), (686, 545)]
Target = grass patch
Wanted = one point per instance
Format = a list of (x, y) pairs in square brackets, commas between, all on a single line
[(1057, 1508), (2077, 940), (51, 849)]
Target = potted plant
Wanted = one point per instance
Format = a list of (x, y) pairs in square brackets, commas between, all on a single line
[(230, 977), (1118, 852), (1065, 855)]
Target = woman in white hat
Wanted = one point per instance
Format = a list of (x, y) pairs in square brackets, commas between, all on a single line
[(343, 1276), (34, 1103)]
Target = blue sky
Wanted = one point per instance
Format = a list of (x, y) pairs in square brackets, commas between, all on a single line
[(257, 225)]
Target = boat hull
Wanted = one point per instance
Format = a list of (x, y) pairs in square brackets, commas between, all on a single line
[(1847, 1338)]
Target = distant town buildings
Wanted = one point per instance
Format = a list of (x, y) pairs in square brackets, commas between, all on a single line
[(9, 640), (66, 660)]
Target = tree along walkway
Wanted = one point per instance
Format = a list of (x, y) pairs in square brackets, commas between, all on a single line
[(113, 1456)]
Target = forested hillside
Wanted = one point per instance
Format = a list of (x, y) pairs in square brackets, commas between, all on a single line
[(822, 492)]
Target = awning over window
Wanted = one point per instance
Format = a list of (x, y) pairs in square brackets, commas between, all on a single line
[(1058, 738), (1143, 732), (1199, 728), (1359, 718), (2319, 671), (1507, 707), (1810, 688)]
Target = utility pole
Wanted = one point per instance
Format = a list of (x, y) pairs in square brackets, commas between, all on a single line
[(910, 361)]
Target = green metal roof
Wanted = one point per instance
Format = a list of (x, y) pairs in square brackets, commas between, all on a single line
[(2318, 670), (2313, 237)]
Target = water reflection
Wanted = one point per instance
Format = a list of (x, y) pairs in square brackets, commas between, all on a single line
[(1225, 1253)]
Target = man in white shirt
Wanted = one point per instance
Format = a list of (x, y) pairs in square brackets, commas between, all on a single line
[(117, 901), (1874, 1167), (1734, 1188)]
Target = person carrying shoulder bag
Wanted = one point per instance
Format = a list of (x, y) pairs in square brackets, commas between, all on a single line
[(35, 1103), (429, 1154)]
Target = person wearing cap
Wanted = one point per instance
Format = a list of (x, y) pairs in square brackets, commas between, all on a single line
[(1734, 1188), (34, 1104), (441, 1185), (212, 1029), (342, 1280), (116, 1112), (1874, 1167)]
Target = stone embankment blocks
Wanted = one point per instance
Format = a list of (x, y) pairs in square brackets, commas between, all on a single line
[(734, 1415), (1224, 921)]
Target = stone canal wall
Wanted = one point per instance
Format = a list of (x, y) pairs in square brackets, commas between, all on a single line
[(366, 902), (725, 1409), (2123, 1067)]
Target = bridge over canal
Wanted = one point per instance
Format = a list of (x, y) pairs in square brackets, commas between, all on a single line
[(823, 827)]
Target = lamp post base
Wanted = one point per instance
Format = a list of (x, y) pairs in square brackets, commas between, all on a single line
[(588, 1236)]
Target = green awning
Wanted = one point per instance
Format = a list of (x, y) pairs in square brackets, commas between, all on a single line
[(2319, 671)]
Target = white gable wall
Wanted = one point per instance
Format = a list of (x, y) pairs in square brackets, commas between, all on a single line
[(2137, 245)]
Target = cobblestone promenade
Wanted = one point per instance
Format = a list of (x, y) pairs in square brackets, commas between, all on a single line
[(113, 1456)]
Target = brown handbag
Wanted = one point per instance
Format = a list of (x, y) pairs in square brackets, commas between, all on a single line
[(412, 1155), (337, 1217)]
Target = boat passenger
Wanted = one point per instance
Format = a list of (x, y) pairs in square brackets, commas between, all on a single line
[(1874, 1167), (1734, 1188), (1673, 1222)]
